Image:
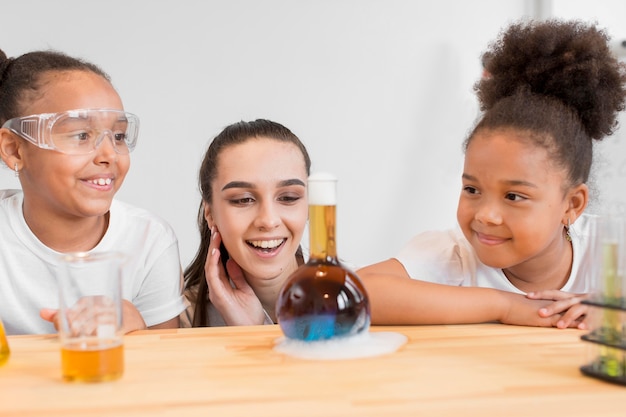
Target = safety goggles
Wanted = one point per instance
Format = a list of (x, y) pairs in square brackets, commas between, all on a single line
[(78, 132)]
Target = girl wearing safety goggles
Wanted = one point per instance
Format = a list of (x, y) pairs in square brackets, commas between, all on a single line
[(67, 137)]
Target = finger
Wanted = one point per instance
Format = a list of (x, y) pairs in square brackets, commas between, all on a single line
[(554, 320), (551, 295), (574, 317), (51, 315), (559, 306), (48, 314), (236, 276), (213, 270)]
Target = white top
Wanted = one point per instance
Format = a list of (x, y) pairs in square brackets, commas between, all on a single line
[(152, 278), (446, 257)]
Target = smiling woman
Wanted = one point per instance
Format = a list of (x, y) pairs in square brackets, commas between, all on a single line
[(251, 219), (66, 135)]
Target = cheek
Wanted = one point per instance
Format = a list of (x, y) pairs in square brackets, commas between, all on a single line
[(463, 212), (528, 228), (296, 220), (230, 224), (122, 170), (123, 166)]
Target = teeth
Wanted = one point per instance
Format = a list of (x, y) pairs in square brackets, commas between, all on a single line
[(101, 181), (266, 244)]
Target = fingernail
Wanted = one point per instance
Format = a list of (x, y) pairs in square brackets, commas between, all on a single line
[(213, 251)]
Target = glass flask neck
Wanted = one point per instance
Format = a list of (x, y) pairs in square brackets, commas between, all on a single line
[(322, 221)]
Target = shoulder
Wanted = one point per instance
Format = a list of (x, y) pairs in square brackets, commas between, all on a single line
[(585, 225), (584, 264), (128, 215), (8, 194), (11, 206), (444, 242), (440, 256)]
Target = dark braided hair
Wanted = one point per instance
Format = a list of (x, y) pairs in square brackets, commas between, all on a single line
[(20, 78), (559, 84)]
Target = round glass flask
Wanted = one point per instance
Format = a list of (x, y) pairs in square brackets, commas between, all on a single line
[(322, 299)]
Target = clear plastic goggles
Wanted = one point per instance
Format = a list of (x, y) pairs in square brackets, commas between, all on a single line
[(78, 132)]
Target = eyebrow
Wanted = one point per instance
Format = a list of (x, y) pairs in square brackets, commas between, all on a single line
[(509, 182), (244, 184)]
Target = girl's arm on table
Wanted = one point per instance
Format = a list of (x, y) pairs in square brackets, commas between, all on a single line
[(397, 299)]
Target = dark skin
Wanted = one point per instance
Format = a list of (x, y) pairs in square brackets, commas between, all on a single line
[(61, 209), (396, 299)]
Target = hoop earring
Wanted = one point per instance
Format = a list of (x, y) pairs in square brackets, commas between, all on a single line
[(17, 171), (568, 237)]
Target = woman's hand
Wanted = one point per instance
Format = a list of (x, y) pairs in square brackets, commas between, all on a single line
[(565, 306), (233, 298)]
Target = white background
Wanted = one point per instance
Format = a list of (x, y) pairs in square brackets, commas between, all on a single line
[(380, 92)]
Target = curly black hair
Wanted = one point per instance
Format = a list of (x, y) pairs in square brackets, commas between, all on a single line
[(558, 82)]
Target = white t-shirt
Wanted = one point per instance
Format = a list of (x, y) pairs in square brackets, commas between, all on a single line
[(152, 278), (446, 257)]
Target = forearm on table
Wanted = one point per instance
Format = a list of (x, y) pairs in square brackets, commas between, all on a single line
[(400, 300), (173, 323)]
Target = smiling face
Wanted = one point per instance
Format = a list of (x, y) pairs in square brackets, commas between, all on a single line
[(259, 205), (513, 204), (71, 186)]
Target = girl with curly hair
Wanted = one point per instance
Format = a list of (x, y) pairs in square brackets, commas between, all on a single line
[(553, 88)]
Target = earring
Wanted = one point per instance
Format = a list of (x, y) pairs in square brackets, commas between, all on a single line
[(17, 171), (568, 237)]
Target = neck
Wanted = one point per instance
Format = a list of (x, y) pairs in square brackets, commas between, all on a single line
[(322, 232), (550, 271), (267, 289), (66, 234)]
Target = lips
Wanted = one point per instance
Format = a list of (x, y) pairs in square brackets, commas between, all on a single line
[(486, 239)]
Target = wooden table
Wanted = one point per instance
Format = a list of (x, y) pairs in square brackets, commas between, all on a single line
[(465, 370)]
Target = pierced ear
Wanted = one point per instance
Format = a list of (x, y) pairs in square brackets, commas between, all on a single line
[(578, 198), (10, 149)]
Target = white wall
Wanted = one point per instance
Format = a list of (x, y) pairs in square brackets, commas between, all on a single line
[(380, 91)]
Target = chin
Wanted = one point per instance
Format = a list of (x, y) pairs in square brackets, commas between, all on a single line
[(95, 211), (494, 262)]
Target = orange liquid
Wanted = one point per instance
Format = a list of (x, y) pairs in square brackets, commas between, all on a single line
[(4, 346), (92, 361)]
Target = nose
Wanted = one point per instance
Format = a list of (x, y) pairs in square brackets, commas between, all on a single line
[(105, 149), (268, 217), (488, 212)]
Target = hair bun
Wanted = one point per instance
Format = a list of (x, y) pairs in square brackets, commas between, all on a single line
[(567, 60)]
